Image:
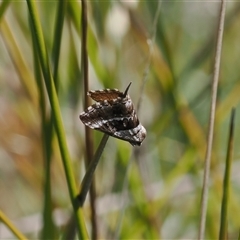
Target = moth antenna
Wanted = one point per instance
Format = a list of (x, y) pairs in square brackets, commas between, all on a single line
[(126, 91)]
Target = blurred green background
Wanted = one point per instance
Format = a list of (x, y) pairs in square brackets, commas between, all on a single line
[(165, 177)]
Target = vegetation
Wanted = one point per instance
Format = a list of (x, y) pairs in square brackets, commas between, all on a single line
[(167, 50)]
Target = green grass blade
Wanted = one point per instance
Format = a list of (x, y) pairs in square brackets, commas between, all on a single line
[(226, 183), (57, 39), (4, 7), (52, 94), (48, 230), (11, 227), (48, 224)]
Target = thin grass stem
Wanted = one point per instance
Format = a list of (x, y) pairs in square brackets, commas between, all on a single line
[(204, 196), (88, 132), (87, 180), (86, 183), (11, 227)]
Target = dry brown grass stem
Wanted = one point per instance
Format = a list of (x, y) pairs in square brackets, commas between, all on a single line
[(88, 132), (217, 59)]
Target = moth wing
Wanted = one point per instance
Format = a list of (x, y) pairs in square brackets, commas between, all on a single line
[(135, 136), (115, 127), (94, 117), (119, 127), (107, 94)]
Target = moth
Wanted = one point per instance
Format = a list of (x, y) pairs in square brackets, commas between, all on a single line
[(114, 114)]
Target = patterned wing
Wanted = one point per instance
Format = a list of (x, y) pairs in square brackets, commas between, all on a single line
[(107, 94), (125, 127), (110, 116), (135, 135)]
